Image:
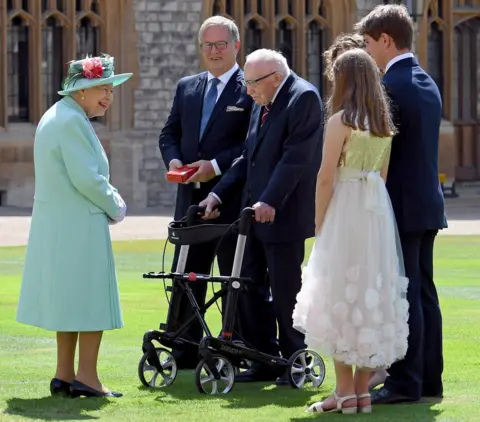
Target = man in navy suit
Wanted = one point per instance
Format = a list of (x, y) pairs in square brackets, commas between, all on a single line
[(278, 171), (416, 196), (206, 129)]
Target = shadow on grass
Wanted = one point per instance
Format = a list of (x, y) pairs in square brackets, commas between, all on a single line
[(260, 394), (242, 395), (418, 412), (55, 408)]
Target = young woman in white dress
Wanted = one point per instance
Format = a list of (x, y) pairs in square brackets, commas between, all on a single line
[(352, 305)]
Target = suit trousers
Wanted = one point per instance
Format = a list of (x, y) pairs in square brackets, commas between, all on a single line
[(420, 372), (276, 271), (199, 260)]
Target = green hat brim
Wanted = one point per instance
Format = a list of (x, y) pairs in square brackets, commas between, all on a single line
[(90, 83)]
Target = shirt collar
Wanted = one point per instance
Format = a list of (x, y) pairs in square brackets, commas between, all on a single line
[(397, 59), (225, 77), (280, 86)]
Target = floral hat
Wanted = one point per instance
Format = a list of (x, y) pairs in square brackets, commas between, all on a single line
[(90, 72)]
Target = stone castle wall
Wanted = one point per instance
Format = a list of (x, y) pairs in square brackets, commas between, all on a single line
[(167, 51)]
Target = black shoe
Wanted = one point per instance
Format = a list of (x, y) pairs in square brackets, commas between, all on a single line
[(185, 360), (59, 388), (81, 389), (282, 380), (186, 364), (255, 375), (432, 394), (384, 396)]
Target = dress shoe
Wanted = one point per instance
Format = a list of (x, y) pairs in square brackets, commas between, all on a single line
[(59, 388), (185, 360), (185, 365), (282, 380), (81, 389), (384, 396), (433, 394), (255, 375)]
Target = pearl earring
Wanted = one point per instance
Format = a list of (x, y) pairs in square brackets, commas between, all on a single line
[(83, 98)]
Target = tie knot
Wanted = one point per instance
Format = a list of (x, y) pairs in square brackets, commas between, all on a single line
[(215, 81), (268, 107)]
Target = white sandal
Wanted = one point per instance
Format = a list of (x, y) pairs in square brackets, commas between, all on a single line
[(364, 409), (317, 407)]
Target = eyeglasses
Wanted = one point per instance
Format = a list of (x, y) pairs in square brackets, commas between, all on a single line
[(219, 45), (255, 82)]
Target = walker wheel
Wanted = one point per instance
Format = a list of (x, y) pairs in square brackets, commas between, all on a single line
[(206, 382), (146, 371), (306, 366)]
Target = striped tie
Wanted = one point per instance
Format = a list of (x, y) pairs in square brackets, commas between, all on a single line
[(267, 108)]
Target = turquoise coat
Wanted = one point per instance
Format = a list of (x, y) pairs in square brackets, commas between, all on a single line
[(69, 281)]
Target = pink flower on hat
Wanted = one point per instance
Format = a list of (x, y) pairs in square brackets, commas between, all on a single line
[(92, 68)]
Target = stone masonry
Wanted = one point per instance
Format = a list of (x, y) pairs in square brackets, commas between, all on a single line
[(167, 51)]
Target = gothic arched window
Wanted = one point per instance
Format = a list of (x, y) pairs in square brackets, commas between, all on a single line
[(18, 77), (285, 41), (41, 36), (299, 29), (435, 55), (253, 36)]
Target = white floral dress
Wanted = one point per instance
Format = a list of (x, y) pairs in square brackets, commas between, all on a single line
[(352, 305)]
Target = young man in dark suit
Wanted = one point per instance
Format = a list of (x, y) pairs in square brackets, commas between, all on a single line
[(416, 196), (278, 171), (206, 129)]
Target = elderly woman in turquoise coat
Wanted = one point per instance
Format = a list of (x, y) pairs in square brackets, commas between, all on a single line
[(69, 283)]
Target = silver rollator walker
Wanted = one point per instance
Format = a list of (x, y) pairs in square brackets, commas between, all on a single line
[(221, 358)]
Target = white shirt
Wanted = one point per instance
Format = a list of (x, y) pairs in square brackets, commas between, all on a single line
[(220, 87), (397, 59), (223, 80), (271, 102)]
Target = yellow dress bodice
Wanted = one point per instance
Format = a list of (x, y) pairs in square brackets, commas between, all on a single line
[(365, 152)]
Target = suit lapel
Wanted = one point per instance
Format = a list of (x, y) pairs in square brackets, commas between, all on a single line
[(254, 127), (278, 105), (233, 84), (195, 104)]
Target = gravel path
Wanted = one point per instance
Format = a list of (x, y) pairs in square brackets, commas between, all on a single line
[(463, 218)]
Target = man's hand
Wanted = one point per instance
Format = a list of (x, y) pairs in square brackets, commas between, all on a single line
[(211, 211), (264, 213), (204, 173)]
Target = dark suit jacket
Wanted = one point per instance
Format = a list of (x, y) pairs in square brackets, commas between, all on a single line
[(280, 162), (223, 138), (412, 179)]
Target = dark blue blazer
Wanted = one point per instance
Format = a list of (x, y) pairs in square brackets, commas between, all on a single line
[(412, 180), (223, 138), (280, 162)]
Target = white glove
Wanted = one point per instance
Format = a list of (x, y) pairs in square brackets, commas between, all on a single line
[(123, 211)]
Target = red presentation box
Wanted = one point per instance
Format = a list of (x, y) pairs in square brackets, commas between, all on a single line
[(181, 175)]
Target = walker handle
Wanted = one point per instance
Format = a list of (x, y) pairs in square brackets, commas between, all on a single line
[(192, 213), (246, 217)]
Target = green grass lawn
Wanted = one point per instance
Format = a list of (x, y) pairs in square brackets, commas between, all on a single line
[(27, 355)]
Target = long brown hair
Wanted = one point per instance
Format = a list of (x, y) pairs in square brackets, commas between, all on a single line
[(358, 91), (342, 43)]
